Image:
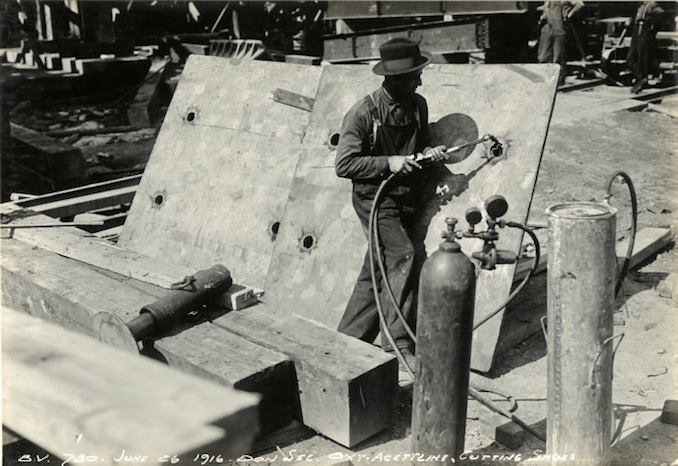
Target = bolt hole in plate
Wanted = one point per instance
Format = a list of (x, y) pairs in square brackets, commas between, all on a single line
[(275, 228), (158, 198), (453, 130), (333, 142), (307, 242)]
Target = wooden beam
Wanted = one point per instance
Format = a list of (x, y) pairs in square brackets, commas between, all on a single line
[(70, 293), (59, 395), (648, 242), (90, 249), (346, 387), (438, 37), (663, 109), (66, 194), (60, 162)]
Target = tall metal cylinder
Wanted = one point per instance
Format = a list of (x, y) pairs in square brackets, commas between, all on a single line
[(580, 297), (443, 358)]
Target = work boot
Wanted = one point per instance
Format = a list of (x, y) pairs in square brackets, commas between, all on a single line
[(639, 85), (409, 358)]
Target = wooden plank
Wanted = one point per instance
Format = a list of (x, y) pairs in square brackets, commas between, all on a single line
[(594, 109), (95, 188), (82, 204), (648, 242), (316, 282), (59, 395), (243, 148), (663, 109), (346, 387), (70, 293), (90, 249), (75, 201)]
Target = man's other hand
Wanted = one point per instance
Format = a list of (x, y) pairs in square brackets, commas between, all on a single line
[(402, 164), (436, 154)]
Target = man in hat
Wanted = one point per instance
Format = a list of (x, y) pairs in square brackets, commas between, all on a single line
[(383, 134)]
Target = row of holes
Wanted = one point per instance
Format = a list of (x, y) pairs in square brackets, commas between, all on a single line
[(307, 241), (333, 142)]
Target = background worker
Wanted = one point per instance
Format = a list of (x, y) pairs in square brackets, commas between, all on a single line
[(555, 20), (641, 58), (380, 135)]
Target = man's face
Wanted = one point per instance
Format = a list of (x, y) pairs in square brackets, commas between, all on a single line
[(408, 83)]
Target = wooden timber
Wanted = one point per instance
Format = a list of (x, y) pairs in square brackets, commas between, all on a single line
[(60, 162), (60, 395), (69, 292), (342, 399), (75, 201), (77, 244), (346, 387)]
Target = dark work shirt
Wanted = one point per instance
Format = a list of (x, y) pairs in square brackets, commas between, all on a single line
[(359, 157)]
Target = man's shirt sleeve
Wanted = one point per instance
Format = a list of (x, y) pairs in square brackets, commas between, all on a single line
[(353, 159)]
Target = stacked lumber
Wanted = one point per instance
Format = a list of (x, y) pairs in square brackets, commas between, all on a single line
[(335, 384)]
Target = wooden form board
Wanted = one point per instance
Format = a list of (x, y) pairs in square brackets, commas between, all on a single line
[(512, 102), (72, 395), (219, 175), (69, 293)]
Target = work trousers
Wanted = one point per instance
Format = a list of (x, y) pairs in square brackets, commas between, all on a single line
[(553, 47), (401, 236), (641, 57)]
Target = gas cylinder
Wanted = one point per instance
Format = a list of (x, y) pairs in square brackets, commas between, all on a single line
[(443, 354)]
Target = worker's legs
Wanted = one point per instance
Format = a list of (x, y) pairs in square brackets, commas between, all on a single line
[(639, 60), (360, 318), (632, 57), (545, 50), (560, 53), (553, 48), (399, 255)]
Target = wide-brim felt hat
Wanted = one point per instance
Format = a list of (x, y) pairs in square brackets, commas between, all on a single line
[(400, 56)]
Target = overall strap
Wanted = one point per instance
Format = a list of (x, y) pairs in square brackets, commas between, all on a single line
[(376, 126)]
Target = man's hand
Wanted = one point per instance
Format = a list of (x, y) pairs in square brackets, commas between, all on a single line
[(436, 154), (402, 164)]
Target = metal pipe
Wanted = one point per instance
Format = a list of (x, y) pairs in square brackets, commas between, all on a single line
[(580, 299), (162, 316)]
